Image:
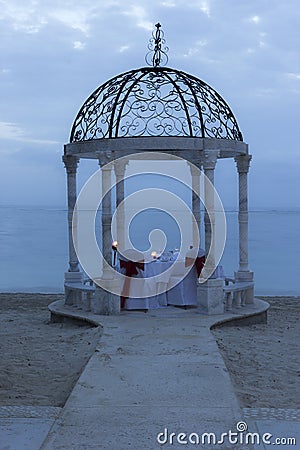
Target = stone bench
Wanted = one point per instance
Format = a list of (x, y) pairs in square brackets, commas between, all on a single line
[(237, 294), (79, 295)]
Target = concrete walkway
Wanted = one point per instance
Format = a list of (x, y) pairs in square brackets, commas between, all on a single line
[(152, 371), (153, 374)]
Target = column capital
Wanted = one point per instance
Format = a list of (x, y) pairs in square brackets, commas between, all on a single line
[(120, 167), (210, 159), (105, 166), (243, 163), (71, 163), (105, 157)]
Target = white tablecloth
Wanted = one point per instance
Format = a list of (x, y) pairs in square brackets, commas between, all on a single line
[(158, 285), (163, 287), (158, 275)]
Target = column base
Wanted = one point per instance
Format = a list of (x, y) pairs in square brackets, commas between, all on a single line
[(210, 297), (104, 302), (71, 297)]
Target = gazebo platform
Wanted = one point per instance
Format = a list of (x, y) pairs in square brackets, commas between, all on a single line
[(249, 314)]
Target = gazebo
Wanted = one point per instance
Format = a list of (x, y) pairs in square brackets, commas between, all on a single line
[(164, 111)]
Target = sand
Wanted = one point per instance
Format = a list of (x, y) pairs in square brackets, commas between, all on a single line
[(41, 361), (263, 360)]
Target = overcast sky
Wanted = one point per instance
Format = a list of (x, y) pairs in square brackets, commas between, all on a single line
[(55, 53)]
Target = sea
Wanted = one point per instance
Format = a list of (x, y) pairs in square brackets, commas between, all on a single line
[(34, 247)]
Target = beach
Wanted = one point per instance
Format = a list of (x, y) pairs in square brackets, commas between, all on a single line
[(263, 360), (41, 361)]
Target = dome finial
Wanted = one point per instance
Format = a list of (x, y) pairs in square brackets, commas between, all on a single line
[(157, 54)]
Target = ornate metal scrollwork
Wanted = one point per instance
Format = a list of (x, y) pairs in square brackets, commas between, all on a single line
[(155, 101), (157, 54)]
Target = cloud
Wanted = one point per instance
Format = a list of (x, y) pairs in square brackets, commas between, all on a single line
[(10, 131), (56, 53), (168, 4), (24, 18), (78, 45), (262, 40), (4, 70), (13, 132), (204, 6), (293, 76), (77, 18), (36, 14), (140, 15), (255, 19), (196, 49), (124, 48)]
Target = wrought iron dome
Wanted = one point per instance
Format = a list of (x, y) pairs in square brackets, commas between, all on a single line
[(155, 101)]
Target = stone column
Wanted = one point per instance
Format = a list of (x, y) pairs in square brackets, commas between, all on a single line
[(106, 217), (210, 293), (120, 166), (71, 164), (243, 163), (104, 302), (209, 164), (74, 275), (195, 172)]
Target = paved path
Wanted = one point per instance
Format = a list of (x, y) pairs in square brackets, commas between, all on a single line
[(152, 375)]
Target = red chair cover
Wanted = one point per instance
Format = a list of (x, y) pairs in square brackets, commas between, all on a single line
[(199, 263), (130, 269)]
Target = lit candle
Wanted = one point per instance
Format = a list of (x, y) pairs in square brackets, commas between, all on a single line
[(154, 255), (114, 246)]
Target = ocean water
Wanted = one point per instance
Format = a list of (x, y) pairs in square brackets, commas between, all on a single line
[(34, 247)]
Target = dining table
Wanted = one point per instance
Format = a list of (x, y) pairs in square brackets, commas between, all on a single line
[(161, 283)]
